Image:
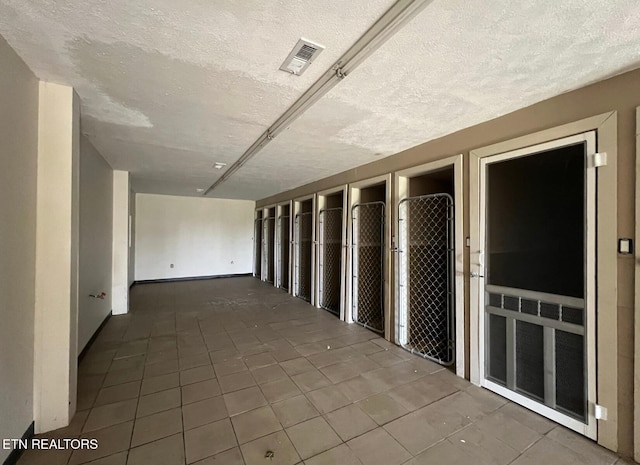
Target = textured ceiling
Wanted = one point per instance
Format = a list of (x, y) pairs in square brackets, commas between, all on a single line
[(169, 87)]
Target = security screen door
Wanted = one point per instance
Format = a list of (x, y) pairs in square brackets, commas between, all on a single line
[(537, 214)]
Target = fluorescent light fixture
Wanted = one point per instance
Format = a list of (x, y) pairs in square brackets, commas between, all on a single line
[(389, 23)]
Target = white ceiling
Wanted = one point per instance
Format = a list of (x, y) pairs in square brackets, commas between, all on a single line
[(168, 88)]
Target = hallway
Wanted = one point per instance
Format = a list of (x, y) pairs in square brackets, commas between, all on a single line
[(229, 371)]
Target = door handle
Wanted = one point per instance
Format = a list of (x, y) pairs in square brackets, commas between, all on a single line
[(475, 274)]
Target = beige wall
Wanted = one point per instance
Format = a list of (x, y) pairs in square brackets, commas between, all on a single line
[(620, 94), (96, 234), (18, 156)]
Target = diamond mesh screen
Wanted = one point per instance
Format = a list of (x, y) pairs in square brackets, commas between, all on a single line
[(368, 265), (269, 247), (257, 247), (304, 225), (283, 226), (331, 258), (427, 265)]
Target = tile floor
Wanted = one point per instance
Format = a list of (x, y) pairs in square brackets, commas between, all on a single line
[(234, 372)]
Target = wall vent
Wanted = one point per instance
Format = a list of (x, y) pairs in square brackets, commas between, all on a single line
[(302, 55)]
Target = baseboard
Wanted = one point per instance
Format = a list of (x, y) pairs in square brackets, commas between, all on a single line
[(15, 454), (191, 278), (93, 338)]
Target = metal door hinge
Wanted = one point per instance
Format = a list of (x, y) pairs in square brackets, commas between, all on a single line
[(598, 159), (601, 412)]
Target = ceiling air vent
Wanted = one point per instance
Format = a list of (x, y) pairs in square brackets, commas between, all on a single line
[(301, 57)]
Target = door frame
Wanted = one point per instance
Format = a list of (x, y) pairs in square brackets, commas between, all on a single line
[(297, 208), (278, 281), (402, 192), (321, 200), (354, 199), (606, 357)]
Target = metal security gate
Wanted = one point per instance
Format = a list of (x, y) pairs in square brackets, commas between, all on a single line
[(330, 286), (303, 243), (269, 247), (368, 265), (257, 247), (426, 322), (283, 251), (284, 239)]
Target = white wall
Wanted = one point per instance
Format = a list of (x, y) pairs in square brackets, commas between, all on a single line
[(57, 253), (18, 157), (132, 237), (199, 236), (96, 235)]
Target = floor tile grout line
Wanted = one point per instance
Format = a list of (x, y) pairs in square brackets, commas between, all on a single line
[(246, 350)]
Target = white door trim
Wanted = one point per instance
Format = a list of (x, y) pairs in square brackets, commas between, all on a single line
[(257, 216), (402, 192), (263, 267), (265, 246), (297, 209), (321, 198), (279, 211), (354, 198)]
